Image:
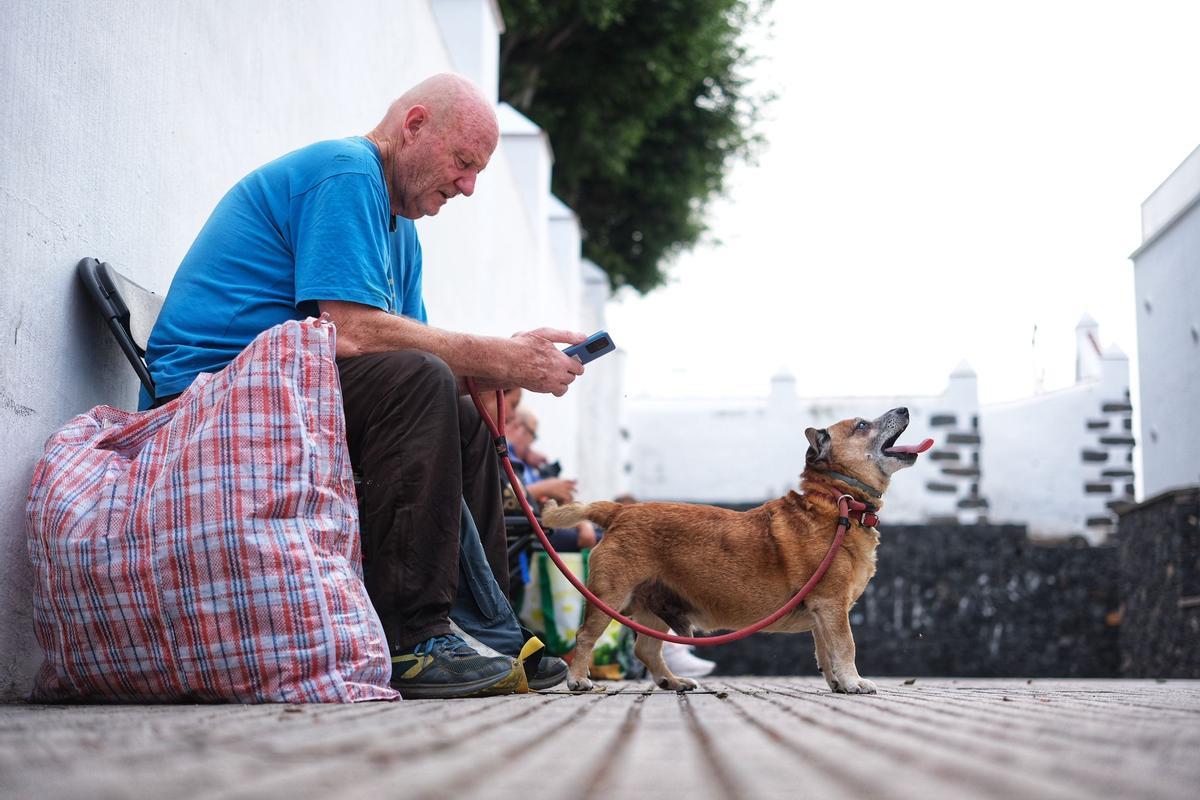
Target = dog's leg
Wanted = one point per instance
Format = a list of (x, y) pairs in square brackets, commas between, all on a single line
[(594, 623), (833, 626), (649, 652), (609, 584), (823, 658)]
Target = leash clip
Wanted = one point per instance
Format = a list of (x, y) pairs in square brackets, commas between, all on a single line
[(867, 516)]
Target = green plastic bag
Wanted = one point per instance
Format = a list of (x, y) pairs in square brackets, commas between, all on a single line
[(554, 608)]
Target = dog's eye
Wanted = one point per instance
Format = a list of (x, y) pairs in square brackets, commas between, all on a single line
[(862, 425)]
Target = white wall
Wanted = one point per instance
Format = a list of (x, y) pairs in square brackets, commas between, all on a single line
[(1167, 288), (470, 30), (1055, 461), (1021, 462), (604, 457), (125, 122), (753, 450)]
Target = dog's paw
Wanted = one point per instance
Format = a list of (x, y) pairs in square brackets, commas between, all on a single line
[(674, 684), (579, 684), (855, 685)]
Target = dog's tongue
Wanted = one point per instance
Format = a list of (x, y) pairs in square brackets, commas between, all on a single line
[(911, 448)]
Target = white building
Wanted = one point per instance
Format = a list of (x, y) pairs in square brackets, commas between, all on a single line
[(1060, 461), (1167, 287), (127, 121), (752, 450), (1054, 462)]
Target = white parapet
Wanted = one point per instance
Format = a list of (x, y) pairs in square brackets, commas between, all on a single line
[(528, 151)]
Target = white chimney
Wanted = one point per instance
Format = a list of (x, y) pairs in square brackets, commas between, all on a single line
[(1088, 354), (783, 392)]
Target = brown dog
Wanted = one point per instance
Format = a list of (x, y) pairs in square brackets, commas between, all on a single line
[(680, 566)]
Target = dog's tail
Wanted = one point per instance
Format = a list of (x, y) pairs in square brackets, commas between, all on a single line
[(600, 512)]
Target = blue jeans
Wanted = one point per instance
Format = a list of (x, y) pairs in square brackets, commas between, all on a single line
[(481, 609)]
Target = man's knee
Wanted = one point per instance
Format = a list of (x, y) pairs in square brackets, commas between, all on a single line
[(469, 418), (415, 370), (429, 367)]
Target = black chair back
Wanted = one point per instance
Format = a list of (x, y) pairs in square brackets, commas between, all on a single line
[(104, 286)]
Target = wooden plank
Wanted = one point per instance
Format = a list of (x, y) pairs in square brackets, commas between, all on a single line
[(988, 756), (918, 765), (746, 737)]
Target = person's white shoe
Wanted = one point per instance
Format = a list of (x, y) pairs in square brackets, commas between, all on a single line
[(685, 664)]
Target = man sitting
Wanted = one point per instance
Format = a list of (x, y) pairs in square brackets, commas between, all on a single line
[(328, 228), (521, 432)]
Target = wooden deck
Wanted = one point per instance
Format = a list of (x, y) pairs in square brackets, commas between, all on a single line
[(736, 738)]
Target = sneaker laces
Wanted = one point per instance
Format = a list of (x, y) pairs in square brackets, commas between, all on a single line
[(451, 643)]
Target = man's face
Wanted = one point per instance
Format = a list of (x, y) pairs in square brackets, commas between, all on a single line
[(441, 164), (521, 434)]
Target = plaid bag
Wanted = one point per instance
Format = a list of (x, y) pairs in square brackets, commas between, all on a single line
[(208, 550)]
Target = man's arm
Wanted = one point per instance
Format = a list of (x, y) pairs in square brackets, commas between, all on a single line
[(528, 359)]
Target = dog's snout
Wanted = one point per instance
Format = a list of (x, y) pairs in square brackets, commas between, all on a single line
[(901, 411)]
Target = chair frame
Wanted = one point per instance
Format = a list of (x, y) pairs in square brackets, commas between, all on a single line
[(97, 278)]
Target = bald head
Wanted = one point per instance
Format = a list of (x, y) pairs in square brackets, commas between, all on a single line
[(453, 103), (434, 141), (521, 431)]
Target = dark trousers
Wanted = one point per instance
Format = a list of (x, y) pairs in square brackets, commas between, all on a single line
[(420, 450)]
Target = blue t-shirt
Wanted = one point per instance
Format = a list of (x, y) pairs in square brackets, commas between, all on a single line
[(312, 225)]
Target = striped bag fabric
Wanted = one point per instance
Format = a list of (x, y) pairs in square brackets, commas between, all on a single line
[(208, 550)]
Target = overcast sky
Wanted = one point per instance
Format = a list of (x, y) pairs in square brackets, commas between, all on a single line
[(938, 179)]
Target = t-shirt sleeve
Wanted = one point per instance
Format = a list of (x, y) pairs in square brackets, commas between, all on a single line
[(340, 242)]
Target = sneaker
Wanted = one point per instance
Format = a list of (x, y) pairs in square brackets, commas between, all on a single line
[(539, 670), (446, 666), (550, 671), (684, 663)]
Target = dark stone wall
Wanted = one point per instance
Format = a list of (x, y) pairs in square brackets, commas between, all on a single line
[(975, 600), (1159, 578)]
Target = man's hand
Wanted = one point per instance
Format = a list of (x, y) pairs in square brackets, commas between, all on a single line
[(539, 366), (558, 489)]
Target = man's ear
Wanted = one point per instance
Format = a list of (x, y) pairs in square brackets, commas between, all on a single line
[(415, 119), (818, 445)]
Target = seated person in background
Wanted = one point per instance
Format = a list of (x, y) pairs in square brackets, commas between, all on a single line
[(521, 431), (511, 398)]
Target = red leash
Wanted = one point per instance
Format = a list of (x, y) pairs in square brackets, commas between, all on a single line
[(846, 504)]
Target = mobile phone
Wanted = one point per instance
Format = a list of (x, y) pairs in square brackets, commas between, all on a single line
[(592, 348)]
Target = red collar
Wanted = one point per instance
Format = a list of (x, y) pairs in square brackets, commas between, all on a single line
[(865, 514)]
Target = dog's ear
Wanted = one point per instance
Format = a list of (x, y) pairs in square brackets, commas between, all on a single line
[(818, 445)]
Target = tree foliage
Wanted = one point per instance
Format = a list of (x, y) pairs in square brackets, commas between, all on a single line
[(646, 108)]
